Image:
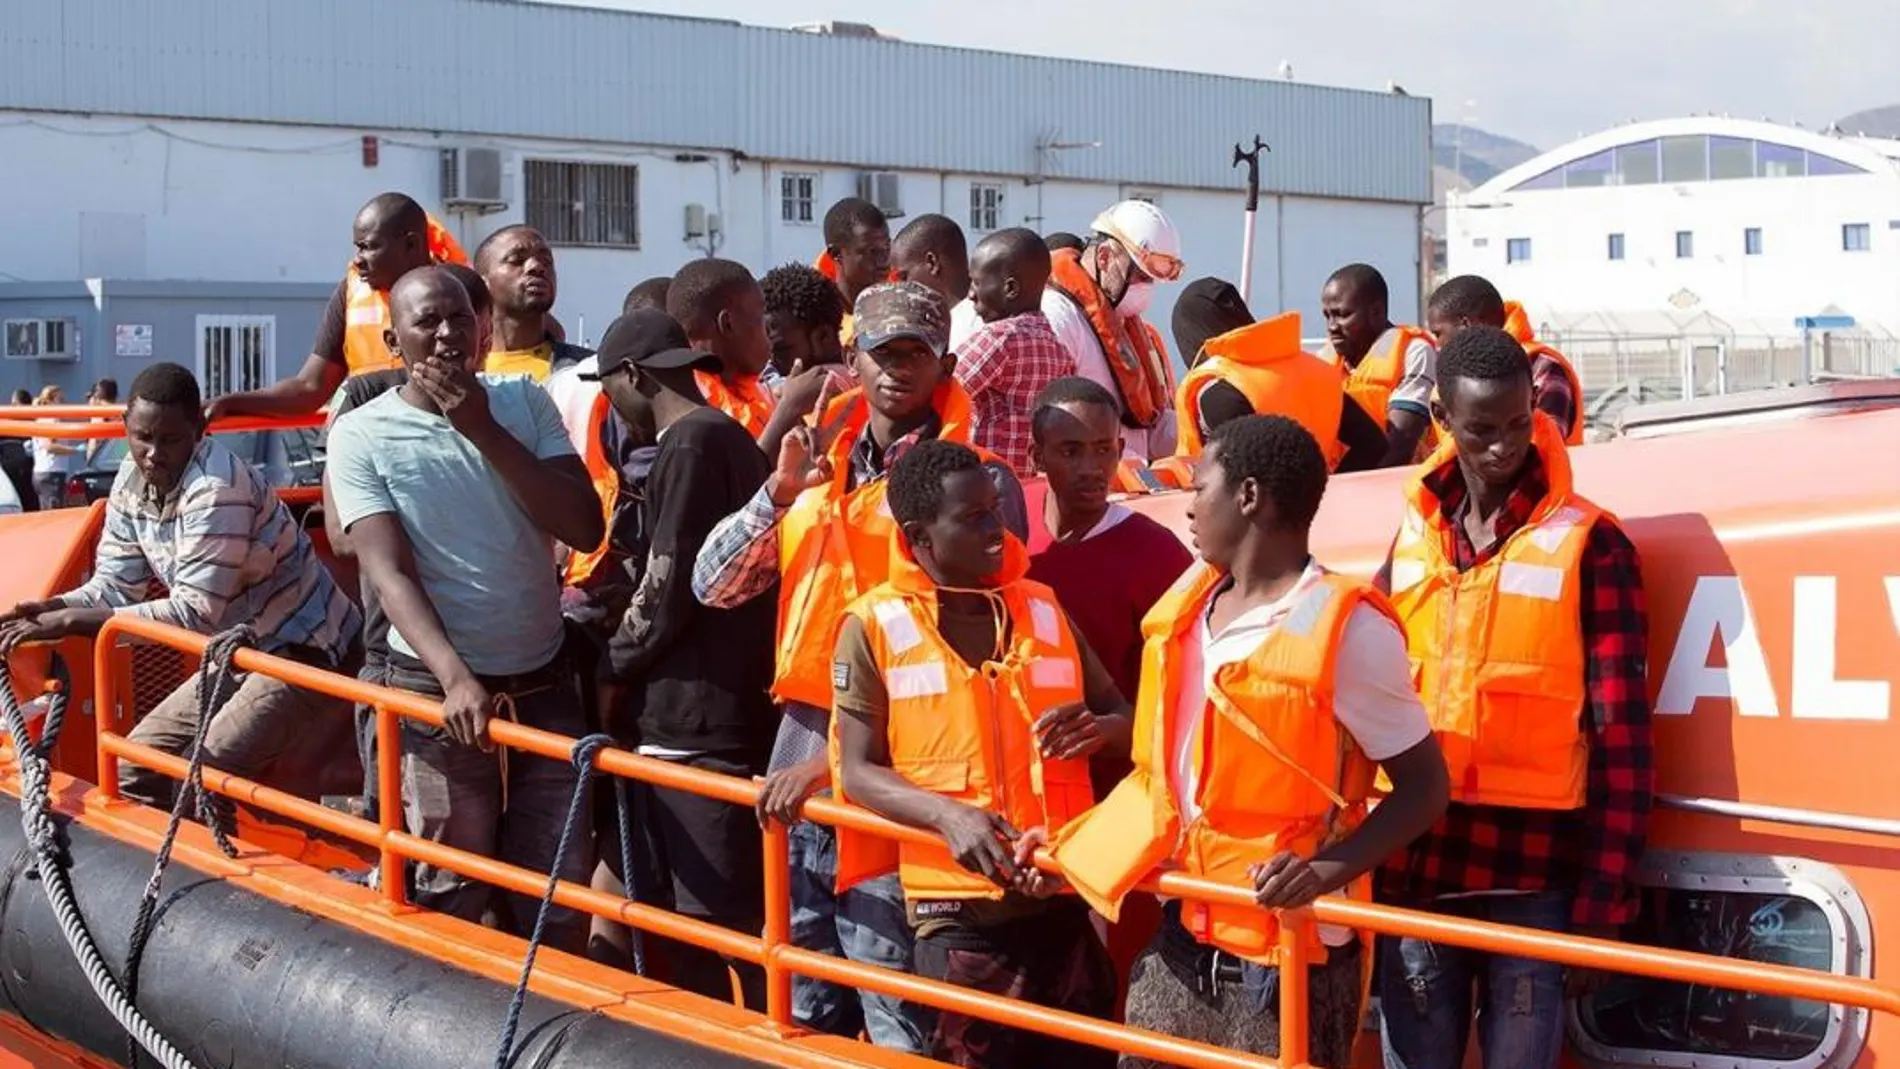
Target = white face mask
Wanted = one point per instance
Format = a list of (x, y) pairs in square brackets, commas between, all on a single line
[(1141, 292)]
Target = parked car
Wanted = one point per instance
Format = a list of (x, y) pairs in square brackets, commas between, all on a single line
[(287, 457)]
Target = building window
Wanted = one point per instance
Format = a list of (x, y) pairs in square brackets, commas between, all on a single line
[(1149, 195), (1637, 164), (236, 353), (585, 203), (1685, 244), (1751, 241), (1856, 237), (1685, 159), (1517, 250), (795, 193), (1616, 246), (986, 205)]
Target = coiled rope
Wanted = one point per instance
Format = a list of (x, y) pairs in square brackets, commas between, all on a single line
[(50, 859)]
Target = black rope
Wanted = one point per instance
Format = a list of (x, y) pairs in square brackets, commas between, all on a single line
[(583, 757), (50, 860), (636, 937), (216, 683)]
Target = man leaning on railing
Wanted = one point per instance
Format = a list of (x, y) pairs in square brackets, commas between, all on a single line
[(188, 514)]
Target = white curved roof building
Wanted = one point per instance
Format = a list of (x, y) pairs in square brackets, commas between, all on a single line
[(1650, 227)]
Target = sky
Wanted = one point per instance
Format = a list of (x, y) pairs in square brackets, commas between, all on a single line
[(1537, 70)]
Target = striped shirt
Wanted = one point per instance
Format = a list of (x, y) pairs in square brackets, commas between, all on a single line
[(226, 551)]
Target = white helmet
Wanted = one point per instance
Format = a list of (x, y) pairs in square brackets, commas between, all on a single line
[(1148, 235)]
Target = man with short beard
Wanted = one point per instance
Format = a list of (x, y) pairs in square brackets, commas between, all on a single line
[(518, 267)]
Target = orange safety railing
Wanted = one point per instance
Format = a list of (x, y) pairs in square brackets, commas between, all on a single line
[(773, 950), (104, 421)]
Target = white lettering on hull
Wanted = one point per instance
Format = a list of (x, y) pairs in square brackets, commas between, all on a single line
[(1719, 611)]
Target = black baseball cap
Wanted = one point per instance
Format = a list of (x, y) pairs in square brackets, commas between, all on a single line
[(649, 338)]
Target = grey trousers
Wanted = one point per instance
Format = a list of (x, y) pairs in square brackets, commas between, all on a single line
[(261, 725)]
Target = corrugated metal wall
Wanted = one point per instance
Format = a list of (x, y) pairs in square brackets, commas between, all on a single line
[(535, 70)]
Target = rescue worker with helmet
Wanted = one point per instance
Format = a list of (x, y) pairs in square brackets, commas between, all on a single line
[(1524, 610), (392, 236), (1271, 689), (818, 535), (1239, 367), (1095, 300), (1470, 300), (968, 704), (1389, 368)]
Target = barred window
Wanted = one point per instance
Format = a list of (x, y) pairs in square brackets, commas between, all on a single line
[(796, 192), (585, 203), (986, 205)]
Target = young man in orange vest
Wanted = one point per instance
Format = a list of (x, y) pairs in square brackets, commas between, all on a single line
[(392, 236), (968, 705), (1238, 367), (1523, 607), (1271, 688), (1388, 368), (1094, 302), (723, 310), (1468, 301), (817, 536)]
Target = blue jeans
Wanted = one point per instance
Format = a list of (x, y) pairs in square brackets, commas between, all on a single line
[(866, 925), (1425, 992)]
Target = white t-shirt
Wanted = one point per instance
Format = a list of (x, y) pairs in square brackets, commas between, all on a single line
[(1373, 696), (1078, 336), (963, 323)]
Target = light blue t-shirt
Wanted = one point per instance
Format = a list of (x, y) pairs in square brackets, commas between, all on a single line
[(487, 569)]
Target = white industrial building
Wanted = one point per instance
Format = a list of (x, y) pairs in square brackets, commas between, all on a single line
[(1729, 234), (181, 177)]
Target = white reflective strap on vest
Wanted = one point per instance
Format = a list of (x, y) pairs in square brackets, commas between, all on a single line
[(899, 626), (575, 399), (1406, 573), (1551, 531), (1054, 673), (1541, 581), (1307, 611), (1045, 620), (916, 681)]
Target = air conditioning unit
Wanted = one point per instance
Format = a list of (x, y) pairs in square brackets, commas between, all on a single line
[(41, 339), (475, 178), (881, 188)]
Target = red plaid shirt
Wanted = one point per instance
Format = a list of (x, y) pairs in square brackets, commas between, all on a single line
[(1004, 365), (1593, 850), (1550, 389)]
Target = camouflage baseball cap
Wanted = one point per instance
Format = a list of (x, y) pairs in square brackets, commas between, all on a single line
[(892, 310)]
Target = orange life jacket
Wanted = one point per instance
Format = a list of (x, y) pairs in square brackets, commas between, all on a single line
[(748, 403), (827, 266), (1277, 772), (1265, 363), (966, 733), (1517, 323), (1499, 649), (1136, 354), (366, 310), (834, 545), (1372, 382), (585, 413)]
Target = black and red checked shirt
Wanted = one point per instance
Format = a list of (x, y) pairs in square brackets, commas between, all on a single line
[(1593, 850)]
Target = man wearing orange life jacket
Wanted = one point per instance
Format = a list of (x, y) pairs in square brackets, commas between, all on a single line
[(818, 535), (1523, 607), (721, 307), (857, 252), (1470, 300), (1242, 368), (393, 236), (1095, 300), (1388, 368), (1270, 689), (968, 705)]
